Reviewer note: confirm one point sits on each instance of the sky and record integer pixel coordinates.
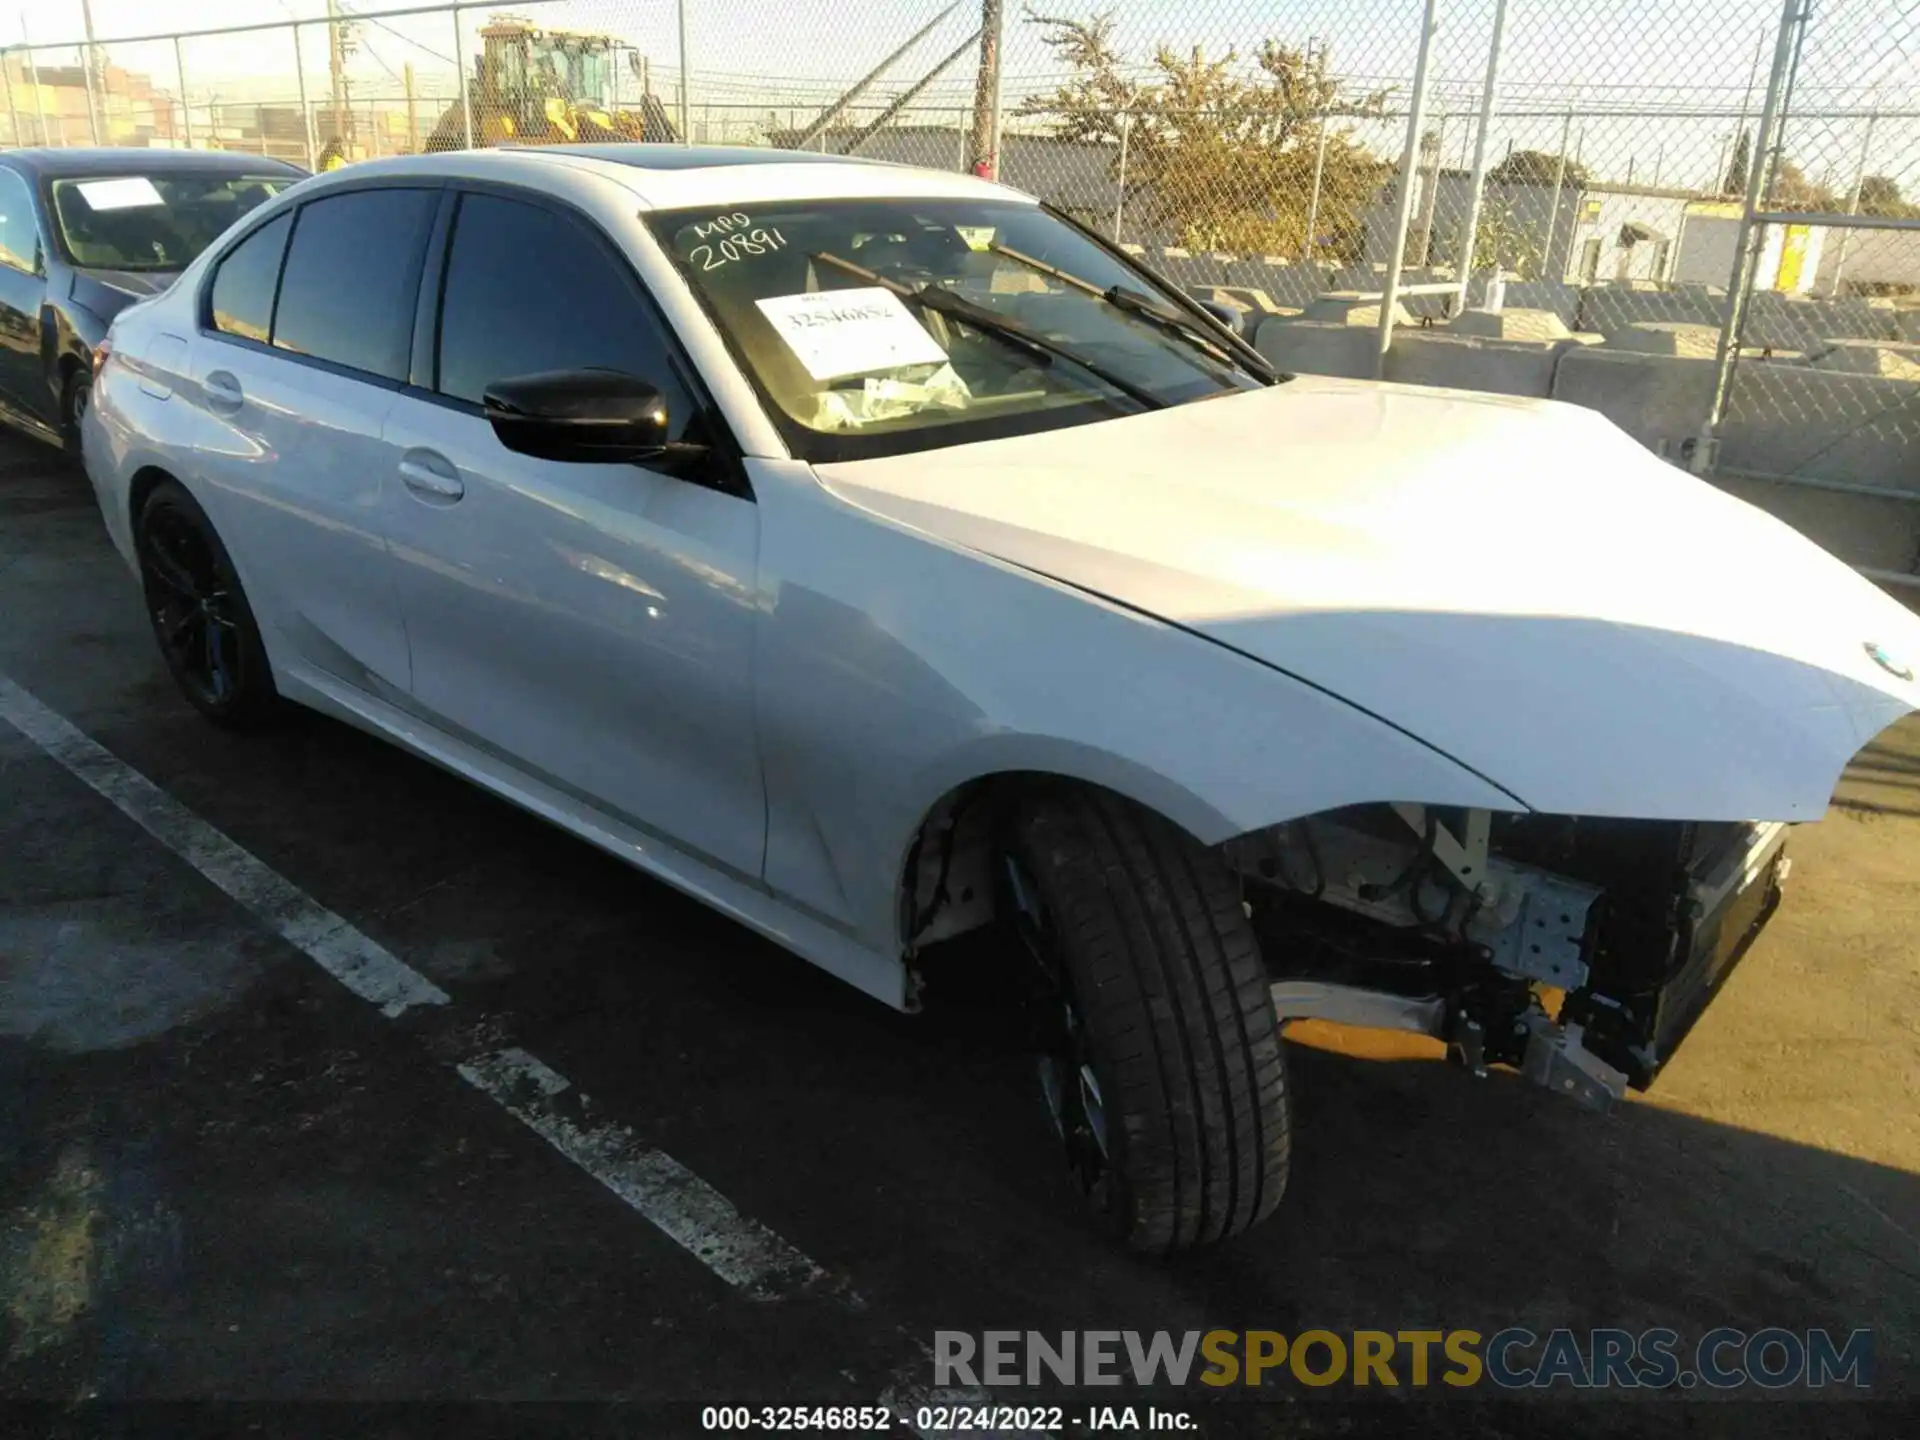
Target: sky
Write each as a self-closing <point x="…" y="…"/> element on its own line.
<point x="1605" y="57"/>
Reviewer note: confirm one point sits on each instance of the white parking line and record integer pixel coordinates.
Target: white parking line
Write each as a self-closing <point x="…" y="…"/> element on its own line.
<point x="367" y="969"/>
<point x="679" y="1203"/>
<point x="689" y="1211"/>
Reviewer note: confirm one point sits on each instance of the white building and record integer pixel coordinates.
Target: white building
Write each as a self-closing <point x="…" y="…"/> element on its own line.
<point x="1581" y="234"/>
<point x="1790" y="255"/>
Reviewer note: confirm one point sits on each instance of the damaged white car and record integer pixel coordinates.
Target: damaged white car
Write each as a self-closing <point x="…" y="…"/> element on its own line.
<point x="879" y="556"/>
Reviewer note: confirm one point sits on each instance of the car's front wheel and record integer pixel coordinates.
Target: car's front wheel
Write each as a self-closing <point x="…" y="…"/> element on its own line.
<point x="200" y="614"/>
<point x="75" y="396"/>
<point x="1161" y="1067"/>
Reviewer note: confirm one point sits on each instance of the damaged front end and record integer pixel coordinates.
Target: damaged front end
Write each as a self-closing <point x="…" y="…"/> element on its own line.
<point x="1579" y="951"/>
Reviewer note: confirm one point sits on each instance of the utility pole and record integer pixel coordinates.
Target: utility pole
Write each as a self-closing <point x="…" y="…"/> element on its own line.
<point x="413" y="124"/>
<point x="87" y="68"/>
<point x="983" y="146"/>
<point x="337" y="70"/>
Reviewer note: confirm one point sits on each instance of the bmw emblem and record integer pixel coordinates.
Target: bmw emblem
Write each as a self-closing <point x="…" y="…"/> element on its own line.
<point x="1887" y="663"/>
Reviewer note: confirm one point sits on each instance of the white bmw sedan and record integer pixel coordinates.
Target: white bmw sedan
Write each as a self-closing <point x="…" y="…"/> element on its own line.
<point x="878" y="555"/>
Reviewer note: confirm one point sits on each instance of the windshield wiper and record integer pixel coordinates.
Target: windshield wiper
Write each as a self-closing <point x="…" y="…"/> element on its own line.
<point x="992" y="322"/>
<point x="1241" y="356"/>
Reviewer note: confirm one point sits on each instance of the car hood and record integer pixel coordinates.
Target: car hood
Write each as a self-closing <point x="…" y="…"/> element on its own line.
<point x="1515" y="582"/>
<point x="107" y="292"/>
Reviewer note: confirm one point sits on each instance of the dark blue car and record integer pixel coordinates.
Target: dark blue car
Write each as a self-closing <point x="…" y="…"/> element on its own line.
<point x="84" y="234"/>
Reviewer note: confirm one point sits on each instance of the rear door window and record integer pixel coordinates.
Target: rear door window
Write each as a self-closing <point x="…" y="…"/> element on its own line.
<point x="352" y="272"/>
<point x="19" y="234"/>
<point x="243" y="286"/>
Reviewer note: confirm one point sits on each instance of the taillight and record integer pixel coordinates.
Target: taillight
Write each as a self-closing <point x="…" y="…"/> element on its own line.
<point x="101" y="354"/>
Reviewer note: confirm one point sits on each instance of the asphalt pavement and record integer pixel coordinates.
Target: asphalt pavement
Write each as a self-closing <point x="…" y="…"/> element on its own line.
<point x="608" y="1149"/>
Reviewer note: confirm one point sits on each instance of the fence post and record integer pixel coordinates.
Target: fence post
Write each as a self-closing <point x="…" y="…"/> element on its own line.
<point x="686" y="116"/>
<point x="1549" y="272"/>
<point x="186" y="106"/>
<point x="1430" y="192"/>
<point x="1313" y="202"/>
<point x="1403" y="204"/>
<point x="1853" y="208"/>
<point x="1120" y="194"/>
<point x="466" y="99"/>
<point x="1470" y="227"/>
<point x="1793" y="18"/>
<point x="306" y="115"/>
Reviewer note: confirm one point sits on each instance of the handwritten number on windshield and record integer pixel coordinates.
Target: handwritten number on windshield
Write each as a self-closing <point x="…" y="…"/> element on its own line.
<point x="736" y="246"/>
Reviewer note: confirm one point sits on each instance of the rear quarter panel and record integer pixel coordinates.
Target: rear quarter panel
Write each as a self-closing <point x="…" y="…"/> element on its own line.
<point x="135" y="421"/>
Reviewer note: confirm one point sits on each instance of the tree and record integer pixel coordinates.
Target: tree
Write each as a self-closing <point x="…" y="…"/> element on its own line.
<point x="1792" y="190"/>
<point x="1880" y="195"/>
<point x="1536" y="167"/>
<point x="1218" y="153"/>
<point x="1504" y="241"/>
<point x="1738" y="165"/>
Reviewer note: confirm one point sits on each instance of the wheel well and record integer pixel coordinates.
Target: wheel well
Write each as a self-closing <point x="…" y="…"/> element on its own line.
<point x="946" y="882"/>
<point x="144" y="481"/>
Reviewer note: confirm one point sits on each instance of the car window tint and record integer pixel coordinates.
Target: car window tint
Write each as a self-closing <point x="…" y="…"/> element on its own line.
<point x="19" y="236"/>
<point x="347" y="292"/>
<point x="242" y="301"/>
<point x="529" y="289"/>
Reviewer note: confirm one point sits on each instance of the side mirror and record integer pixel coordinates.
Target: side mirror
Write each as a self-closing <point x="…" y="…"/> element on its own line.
<point x="578" y="415"/>
<point x="1231" y="316"/>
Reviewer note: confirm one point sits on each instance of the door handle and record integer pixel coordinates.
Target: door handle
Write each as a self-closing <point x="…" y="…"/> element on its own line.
<point x="223" y="392"/>
<point x="428" y="480"/>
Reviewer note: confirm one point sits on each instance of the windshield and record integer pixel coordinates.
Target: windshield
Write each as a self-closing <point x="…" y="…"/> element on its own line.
<point x="833" y="309"/>
<point x="152" y="222"/>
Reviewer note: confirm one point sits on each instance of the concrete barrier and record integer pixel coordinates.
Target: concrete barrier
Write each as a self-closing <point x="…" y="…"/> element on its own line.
<point x="1608" y="308"/>
<point x="1660" y="400"/>
<point x="1869" y="357"/>
<point x="1562" y="300"/>
<point x="1800" y="420"/>
<point x="1288" y="285"/>
<point x="1317" y="347"/>
<point x="1347" y="307"/>
<point x="1667" y="337"/>
<point x="1510" y="324"/>
<point x="1470" y="362"/>
<point x="1790" y="321"/>
<point x="1863" y="530"/>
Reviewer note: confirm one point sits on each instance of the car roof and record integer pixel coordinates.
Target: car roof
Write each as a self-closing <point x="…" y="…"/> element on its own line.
<point x="654" y="156"/>
<point x="671" y="177"/>
<point x="56" y="163"/>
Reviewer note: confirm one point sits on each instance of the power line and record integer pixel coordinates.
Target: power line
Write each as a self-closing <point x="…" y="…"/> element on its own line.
<point x="404" y="39"/>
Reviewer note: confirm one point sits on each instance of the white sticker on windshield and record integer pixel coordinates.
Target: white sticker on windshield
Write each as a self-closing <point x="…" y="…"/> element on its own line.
<point x="128" y="193"/>
<point x="851" y="332"/>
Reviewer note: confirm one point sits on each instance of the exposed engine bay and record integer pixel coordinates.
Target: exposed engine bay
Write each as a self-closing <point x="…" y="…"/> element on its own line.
<point x="1579" y="951"/>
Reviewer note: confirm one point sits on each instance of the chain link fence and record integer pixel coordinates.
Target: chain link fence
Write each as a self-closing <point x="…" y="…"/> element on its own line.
<point x="1697" y="210"/>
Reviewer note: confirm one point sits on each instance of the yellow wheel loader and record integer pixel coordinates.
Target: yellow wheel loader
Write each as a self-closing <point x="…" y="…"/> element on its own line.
<point x="546" y="87"/>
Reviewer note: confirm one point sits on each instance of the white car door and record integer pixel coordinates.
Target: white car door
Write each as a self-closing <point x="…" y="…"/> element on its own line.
<point x="294" y="393"/>
<point x="591" y="624"/>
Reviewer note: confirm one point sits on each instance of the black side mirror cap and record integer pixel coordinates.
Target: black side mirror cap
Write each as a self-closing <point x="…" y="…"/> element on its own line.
<point x="1231" y="316"/>
<point x="582" y="416"/>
